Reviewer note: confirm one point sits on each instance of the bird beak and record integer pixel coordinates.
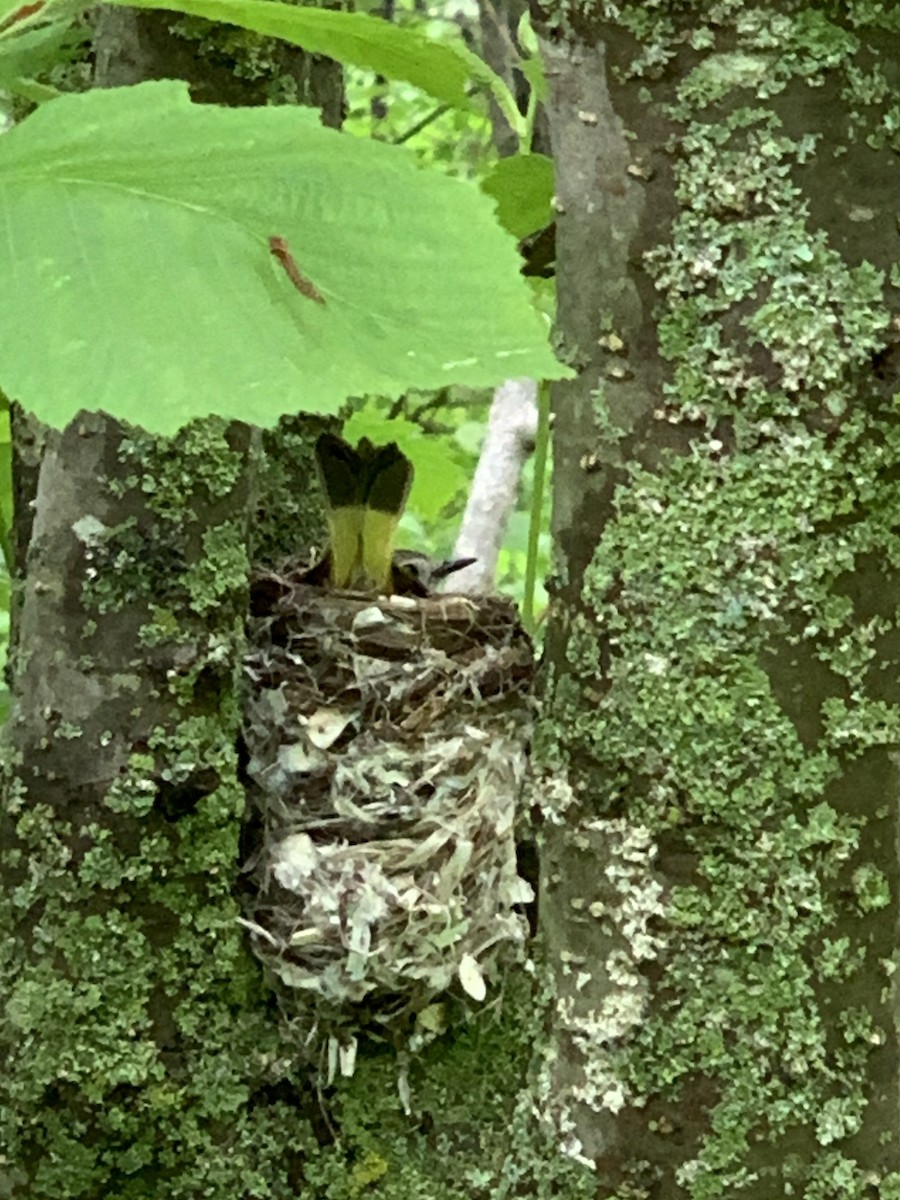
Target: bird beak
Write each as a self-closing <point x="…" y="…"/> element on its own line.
<point x="452" y="564"/>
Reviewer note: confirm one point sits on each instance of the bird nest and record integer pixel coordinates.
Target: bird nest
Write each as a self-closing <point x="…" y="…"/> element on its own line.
<point x="386" y="746"/>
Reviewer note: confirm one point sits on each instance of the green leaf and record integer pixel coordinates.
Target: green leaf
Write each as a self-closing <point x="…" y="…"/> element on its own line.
<point x="443" y="71"/>
<point x="526" y="37"/>
<point x="531" y="65"/>
<point x="137" y="267"/>
<point x="30" y="89"/>
<point x="523" y="189"/>
<point x="27" y="50"/>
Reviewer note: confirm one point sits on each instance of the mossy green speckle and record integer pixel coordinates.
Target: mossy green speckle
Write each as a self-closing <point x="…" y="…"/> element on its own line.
<point x="469" y="1132"/>
<point x="736" y="633"/>
<point x="137" y="1028"/>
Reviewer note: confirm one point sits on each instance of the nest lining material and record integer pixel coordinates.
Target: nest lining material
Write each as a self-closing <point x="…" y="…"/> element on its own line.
<point x="387" y="746"/>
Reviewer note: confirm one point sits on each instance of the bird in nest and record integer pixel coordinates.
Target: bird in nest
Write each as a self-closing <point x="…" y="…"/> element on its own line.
<point x="365" y="490"/>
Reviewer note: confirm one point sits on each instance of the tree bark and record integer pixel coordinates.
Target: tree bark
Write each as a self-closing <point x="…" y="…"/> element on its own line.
<point x="127" y="984"/>
<point x="223" y="65"/>
<point x="512" y="425"/>
<point x="720" y="870"/>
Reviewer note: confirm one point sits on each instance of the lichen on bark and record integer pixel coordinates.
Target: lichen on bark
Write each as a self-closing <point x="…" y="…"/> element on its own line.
<point x="136" y="1030"/>
<point x="724" y="665"/>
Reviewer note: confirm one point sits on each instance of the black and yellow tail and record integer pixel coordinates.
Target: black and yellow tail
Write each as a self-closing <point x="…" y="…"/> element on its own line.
<point x="365" y="493"/>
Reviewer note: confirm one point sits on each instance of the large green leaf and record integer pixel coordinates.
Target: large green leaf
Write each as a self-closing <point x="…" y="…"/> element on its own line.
<point x="34" y="50"/>
<point x="444" y="71"/>
<point x="522" y="187"/>
<point x="138" y="278"/>
<point x="33" y="38"/>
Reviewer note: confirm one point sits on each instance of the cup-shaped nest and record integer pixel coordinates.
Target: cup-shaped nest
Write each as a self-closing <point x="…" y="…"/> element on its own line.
<point x="386" y="745"/>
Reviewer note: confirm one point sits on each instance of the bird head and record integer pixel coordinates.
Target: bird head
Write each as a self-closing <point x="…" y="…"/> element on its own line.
<point x="419" y="574"/>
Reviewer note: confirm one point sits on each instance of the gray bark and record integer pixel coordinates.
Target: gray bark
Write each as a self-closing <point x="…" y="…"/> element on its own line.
<point x="720" y="870"/>
<point x="121" y="804"/>
<point x="132" y="45"/>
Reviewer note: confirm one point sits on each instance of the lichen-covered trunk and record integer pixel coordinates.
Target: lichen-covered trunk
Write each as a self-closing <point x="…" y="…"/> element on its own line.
<point x="720" y="862"/>
<point x="135" y="1030"/>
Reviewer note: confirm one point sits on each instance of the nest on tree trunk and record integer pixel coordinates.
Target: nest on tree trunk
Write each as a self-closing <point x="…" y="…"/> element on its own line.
<point x="386" y="743"/>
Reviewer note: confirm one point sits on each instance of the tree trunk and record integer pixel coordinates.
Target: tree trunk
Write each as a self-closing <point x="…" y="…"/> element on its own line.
<point x="720" y="850"/>
<point x="509" y="439"/>
<point x="135" y="1026"/>
<point x="223" y="65"/>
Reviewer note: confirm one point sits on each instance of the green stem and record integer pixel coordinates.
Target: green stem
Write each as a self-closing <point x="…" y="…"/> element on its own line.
<point x="503" y="97"/>
<point x="30" y="89"/>
<point x="530" y="117"/>
<point x="541" y="450"/>
<point x="6" y="544"/>
<point x="423" y="124"/>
